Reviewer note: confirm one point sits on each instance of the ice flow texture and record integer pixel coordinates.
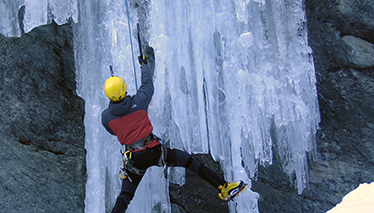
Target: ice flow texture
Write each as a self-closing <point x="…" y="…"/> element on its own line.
<point x="232" y="78"/>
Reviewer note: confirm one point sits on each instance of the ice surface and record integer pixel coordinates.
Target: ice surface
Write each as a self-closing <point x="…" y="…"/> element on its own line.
<point x="9" y="17"/>
<point x="37" y="12"/>
<point x="232" y="78"/>
<point x="254" y="76"/>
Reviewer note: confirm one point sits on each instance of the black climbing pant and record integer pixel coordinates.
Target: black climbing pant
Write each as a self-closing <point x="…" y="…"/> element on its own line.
<point x="145" y="159"/>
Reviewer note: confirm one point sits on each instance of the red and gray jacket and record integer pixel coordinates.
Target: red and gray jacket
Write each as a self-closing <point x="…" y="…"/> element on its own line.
<point x="128" y="118"/>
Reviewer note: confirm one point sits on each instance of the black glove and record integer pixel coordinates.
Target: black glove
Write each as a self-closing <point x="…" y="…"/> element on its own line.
<point x="142" y="60"/>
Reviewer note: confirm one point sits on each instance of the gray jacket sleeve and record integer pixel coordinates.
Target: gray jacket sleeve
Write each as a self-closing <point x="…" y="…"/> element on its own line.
<point x="146" y="89"/>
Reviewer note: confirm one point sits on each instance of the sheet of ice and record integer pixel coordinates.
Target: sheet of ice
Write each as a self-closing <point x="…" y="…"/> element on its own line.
<point x="9" y="17"/>
<point x="37" y="12"/>
<point x="252" y="68"/>
<point x="102" y="39"/>
<point x="232" y="78"/>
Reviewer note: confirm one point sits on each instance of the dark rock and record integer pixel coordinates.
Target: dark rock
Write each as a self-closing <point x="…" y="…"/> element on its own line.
<point x="196" y="195"/>
<point x="355" y="52"/>
<point x="42" y="143"/>
<point x="177" y="209"/>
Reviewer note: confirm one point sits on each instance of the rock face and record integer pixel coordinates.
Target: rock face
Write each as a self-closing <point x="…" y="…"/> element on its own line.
<point x="340" y="34"/>
<point x="42" y="133"/>
<point x="196" y="195"/>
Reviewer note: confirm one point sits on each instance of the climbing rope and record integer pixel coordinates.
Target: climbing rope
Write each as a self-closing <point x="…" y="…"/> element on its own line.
<point x="132" y="50"/>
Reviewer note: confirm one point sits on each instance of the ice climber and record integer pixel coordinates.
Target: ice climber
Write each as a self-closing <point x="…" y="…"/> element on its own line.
<point x="127" y="118"/>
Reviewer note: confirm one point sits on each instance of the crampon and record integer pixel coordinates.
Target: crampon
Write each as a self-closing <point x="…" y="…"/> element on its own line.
<point x="231" y="190"/>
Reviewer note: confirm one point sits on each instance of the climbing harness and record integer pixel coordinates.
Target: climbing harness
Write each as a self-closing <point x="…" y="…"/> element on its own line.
<point x="132" y="49"/>
<point x="128" y="165"/>
<point x="147" y="143"/>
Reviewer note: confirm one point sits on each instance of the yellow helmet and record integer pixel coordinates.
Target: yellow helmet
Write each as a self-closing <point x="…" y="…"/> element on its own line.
<point x="115" y="88"/>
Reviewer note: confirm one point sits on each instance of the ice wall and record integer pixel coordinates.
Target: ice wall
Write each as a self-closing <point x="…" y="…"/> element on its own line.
<point x="241" y="79"/>
<point x="102" y="39"/>
<point x="37" y="12"/>
<point x="232" y="78"/>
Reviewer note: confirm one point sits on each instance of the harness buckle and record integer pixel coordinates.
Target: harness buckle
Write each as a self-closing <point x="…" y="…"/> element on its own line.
<point x="128" y="163"/>
<point x="123" y="174"/>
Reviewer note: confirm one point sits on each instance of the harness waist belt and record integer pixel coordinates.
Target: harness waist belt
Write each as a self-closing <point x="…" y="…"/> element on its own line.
<point x="148" y="142"/>
<point x="148" y="145"/>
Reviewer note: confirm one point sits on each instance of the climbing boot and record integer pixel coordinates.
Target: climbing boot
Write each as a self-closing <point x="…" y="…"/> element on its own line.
<point x="231" y="190"/>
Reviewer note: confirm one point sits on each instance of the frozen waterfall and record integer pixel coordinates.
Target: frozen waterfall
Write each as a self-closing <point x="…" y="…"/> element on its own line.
<point x="232" y="78"/>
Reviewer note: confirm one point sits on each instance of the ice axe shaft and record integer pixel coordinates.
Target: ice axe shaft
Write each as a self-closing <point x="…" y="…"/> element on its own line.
<point x="111" y="71"/>
<point x="140" y="44"/>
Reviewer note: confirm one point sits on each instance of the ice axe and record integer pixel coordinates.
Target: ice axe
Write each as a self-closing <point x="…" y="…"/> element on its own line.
<point x="142" y="59"/>
<point x="140" y="44"/>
